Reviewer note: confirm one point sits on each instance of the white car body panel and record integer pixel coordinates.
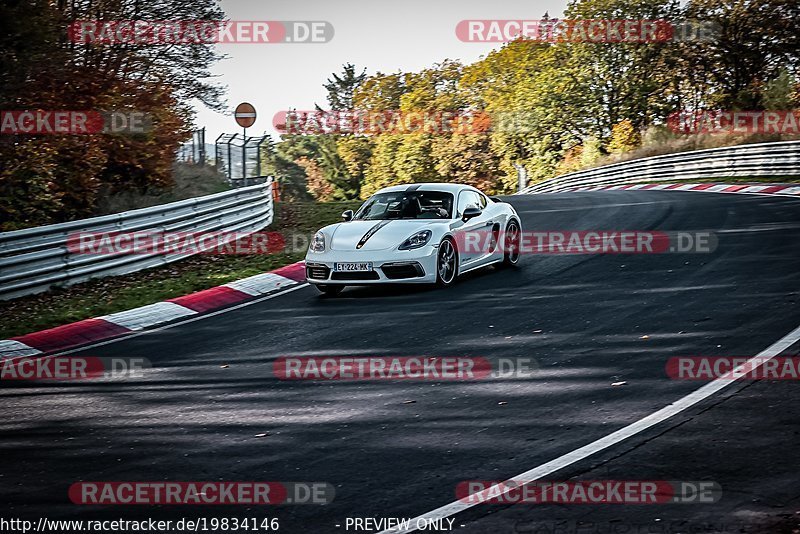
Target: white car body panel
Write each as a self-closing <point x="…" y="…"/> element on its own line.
<point x="345" y="236"/>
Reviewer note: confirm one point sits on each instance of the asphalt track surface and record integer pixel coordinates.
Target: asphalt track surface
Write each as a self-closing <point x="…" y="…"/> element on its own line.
<point x="582" y="318"/>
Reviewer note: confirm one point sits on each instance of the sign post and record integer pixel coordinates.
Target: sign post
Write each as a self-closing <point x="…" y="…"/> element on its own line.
<point x="245" y="116"/>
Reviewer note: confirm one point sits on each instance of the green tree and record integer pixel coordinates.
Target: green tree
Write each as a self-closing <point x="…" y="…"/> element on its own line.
<point x="342" y="87"/>
<point x="345" y="186"/>
<point x="381" y="172"/>
<point x="316" y="182"/>
<point x="280" y="160"/>
<point x="413" y="160"/>
<point x="433" y="89"/>
<point x="356" y="152"/>
<point x="619" y="81"/>
<point x="468" y="159"/>
<point x="519" y="86"/>
<point x="322" y="151"/>
<point x="592" y="151"/>
<point x="557" y="107"/>
<point x="781" y="93"/>
<point x="754" y="42"/>
<point x="379" y="92"/>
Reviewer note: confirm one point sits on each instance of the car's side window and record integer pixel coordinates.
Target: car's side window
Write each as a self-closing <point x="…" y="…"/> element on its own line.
<point x="467" y="199"/>
<point x="483" y="201"/>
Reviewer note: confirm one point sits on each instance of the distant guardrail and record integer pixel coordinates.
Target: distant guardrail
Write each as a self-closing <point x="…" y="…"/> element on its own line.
<point x="761" y="160"/>
<point x="35" y="259"/>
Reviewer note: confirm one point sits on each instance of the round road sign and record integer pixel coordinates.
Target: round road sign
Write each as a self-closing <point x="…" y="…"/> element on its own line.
<point x="245" y="115"/>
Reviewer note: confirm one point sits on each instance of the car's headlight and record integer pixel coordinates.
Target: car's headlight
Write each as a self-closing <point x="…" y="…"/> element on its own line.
<point x="420" y="239"/>
<point x="318" y="243"/>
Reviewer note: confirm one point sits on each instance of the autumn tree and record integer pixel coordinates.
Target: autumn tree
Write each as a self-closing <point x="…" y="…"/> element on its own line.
<point x="381" y="171"/>
<point x="356" y="153"/>
<point x="624" y="137"/>
<point x="556" y="107"/>
<point x="754" y="42"/>
<point x="379" y="92"/>
<point x="468" y="159"/>
<point x="50" y="178"/>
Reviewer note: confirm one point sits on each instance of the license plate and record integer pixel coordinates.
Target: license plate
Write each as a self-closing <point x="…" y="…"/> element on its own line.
<point x="350" y="267"/>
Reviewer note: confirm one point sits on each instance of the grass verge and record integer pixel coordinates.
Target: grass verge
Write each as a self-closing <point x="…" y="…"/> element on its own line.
<point x="112" y="294"/>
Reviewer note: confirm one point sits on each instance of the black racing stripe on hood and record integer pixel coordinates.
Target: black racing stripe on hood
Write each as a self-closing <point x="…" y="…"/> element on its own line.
<point x="371" y="232"/>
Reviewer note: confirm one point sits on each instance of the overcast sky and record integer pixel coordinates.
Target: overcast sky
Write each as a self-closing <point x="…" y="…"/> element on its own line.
<point x="381" y="35"/>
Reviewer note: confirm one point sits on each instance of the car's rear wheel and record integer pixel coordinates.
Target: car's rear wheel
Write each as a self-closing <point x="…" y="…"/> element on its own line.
<point x="330" y="290"/>
<point x="511" y="239"/>
<point x="446" y="263"/>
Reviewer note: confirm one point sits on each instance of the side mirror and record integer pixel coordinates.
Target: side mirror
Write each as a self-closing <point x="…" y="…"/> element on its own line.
<point x="471" y="213"/>
<point x="347" y="215"/>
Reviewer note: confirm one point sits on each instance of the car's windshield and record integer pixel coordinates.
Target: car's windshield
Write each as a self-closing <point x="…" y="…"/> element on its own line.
<point x="407" y="205"/>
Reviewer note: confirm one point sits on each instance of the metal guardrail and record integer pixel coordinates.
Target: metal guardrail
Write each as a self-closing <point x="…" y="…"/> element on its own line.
<point x="758" y="160"/>
<point x="35" y="259"/>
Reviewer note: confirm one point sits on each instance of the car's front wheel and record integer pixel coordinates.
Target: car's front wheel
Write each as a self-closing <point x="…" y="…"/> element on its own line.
<point x="446" y="263"/>
<point x="330" y="290"/>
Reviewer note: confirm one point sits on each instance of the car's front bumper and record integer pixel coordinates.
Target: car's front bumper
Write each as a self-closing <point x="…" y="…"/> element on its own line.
<point x="389" y="267"/>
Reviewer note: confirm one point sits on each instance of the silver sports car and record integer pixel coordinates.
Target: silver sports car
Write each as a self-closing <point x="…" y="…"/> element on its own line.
<point x="421" y="233"/>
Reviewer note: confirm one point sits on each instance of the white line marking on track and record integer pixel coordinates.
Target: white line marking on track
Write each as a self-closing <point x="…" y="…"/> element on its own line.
<point x="144" y="316"/>
<point x="753" y="189"/>
<point x="11" y="348"/>
<point x="260" y="284"/>
<point x="612" y="439"/>
<point x="185" y="321"/>
<point x="718" y="187"/>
